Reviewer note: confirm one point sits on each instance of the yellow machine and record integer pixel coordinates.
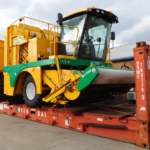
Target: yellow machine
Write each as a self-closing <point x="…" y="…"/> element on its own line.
<point x="62" y="63"/>
<point x="2" y="96"/>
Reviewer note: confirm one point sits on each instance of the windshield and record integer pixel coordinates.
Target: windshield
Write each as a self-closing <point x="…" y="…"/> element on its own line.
<point x="96" y="38"/>
<point x="70" y="35"/>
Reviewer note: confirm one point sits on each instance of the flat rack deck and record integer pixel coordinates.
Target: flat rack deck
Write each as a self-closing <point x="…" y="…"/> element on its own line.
<point x="102" y="121"/>
<point x="112" y="122"/>
<point x="121" y="123"/>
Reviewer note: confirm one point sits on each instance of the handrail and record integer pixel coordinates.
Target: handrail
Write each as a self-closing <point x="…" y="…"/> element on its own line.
<point x="64" y="42"/>
<point x="50" y="32"/>
<point x="31" y="19"/>
<point x="23" y="18"/>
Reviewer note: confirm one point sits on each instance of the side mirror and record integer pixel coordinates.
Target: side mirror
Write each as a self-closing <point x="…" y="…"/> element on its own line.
<point x="113" y="36"/>
<point x="60" y="19"/>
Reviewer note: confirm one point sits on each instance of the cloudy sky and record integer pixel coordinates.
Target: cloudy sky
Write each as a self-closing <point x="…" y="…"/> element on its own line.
<point x="134" y="15"/>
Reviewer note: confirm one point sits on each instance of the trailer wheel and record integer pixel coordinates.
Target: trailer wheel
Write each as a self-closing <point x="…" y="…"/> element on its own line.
<point x="31" y="98"/>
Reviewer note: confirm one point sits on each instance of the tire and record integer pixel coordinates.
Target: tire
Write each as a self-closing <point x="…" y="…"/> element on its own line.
<point x="3" y="97"/>
<point x="30" y="97"/>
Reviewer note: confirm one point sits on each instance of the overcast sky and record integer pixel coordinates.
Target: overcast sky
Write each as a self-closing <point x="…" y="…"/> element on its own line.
<point x="134" y="15"/>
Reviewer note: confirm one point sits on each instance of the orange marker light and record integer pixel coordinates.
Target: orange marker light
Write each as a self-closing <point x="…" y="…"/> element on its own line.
<point x="91" y="65"/>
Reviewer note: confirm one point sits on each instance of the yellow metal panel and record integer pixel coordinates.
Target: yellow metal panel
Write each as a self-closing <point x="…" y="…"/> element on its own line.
<point x="19" y="83"/>
<point x="14" y="49"/>
<point x="32" y="50"/>
<point x="110" y="62"/>
<point x="2" y="55"/>
<point x="58" y="85"/>
<point x="50" y="75"/>
<point x="40" y="46"/>
<point x="65" y="56"/>
<point x="51" y="97"/>
<point x="36" y="73"/>
<point x="10" y="49"/>
<point x="8" y="90"/>
<point x="6" y="60"/>
<point x="72" y="94"/>
<point x="15" y="33"/>
<point x="25" y="26"/>
<point x="74" y="12"/>
<point x="81" y="10"/>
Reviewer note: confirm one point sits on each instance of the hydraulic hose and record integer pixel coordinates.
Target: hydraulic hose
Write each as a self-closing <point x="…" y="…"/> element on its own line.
<point x="44" y="34"/>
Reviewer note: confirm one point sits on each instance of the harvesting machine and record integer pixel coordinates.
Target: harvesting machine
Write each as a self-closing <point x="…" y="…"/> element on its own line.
<point x="63" y="63"/>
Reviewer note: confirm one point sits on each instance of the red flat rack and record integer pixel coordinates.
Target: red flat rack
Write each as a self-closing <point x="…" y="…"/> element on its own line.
<point x="120" y="123"/>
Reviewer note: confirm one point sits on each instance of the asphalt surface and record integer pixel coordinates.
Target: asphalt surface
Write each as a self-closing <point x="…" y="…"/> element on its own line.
<point x="21" y="134"/>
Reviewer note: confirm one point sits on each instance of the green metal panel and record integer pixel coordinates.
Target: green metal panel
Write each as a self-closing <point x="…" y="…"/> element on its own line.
<point x="14" y="70"/>
<point x="42" y="63"/>
<point x="77" y="72"/>
<point x="87" y="77"/>
<point x="83" y="62"/>
<point x="90" y="74"/>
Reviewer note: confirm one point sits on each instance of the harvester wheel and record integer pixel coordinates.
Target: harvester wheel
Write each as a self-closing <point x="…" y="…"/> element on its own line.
<point x="3" y="97"/>
<point x="31" y="98"/>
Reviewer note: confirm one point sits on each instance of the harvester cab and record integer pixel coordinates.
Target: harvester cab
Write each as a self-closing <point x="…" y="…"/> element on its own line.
<point x="91" y="37"/>
<point x="63" y="63"/>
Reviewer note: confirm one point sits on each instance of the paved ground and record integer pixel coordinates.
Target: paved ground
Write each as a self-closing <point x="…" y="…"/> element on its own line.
<point x="20" y="134"/>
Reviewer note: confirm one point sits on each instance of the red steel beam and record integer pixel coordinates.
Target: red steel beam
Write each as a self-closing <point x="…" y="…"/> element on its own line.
<point x="142" y="81"/>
